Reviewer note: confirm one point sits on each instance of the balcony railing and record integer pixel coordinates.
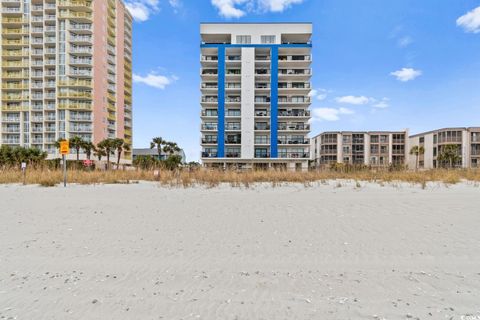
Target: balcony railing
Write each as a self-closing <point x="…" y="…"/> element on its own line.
<point x="294" y="72"/>
<point x="209" y="127"/>
<point x="209" y="155"/>
<point x="305" y="113"/>
<point x="294" y="141"/>
<point x="294" y="155"/>
<point x="294" y="127"/>
<point x="209" y="141"/>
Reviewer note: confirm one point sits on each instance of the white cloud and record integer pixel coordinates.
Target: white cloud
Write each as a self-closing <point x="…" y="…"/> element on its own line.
<point x="470" y="22"/>
<point x="404" y="41"/>
<point x="277" y="5"/>
<point x="406" y="74"/>
<point x="155" y="80"/>
<point x="227" y="8"/>
<point x="357" y="100"/>
<point x="329" y="114"/>
<point x="239" y="8"/>
<point x="142" y="9"/>
<point x="382" y="104"/>
<point x="175" y="3"/>
<point x="320" y="94"/>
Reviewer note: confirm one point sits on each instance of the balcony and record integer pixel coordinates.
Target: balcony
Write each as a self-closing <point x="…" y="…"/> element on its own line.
<point x="232" y="155"/>
<point x="294" y="72"/>
<point x="294" y="100"/>
<point x="294" y="127"/>
<point x="233" y="127"/>
<point x="209" y="127"/>
<point x="294" y="113"/>
<point x="10" y="119"/>
<point x="208" y="113"/>
<point x="262" y="155"/>
<point x="294" y="142"/>
<point x="293" y="155"/>
<point x="209" y="155"/>
<point x="209" y="141"/>
<point x="262" y="127"/>
<point x="232" y="99"/>
<point x="262" y="113"/>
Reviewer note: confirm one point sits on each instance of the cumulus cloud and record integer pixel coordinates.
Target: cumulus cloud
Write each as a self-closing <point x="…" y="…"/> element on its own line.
<point x="239" y="8"/>
<point x="320" y="94"/>
<point x="406" y="74"/>
<point x="228" y="9"/>
<point x="329" y="114"/>
<point x="142" y="9"/>
<point x="277" y="5"/>
<point x="357" y="100"/>
<point x="155" y="80"/>
<point x="470" y="21"/>
<point x="382" y="104"/>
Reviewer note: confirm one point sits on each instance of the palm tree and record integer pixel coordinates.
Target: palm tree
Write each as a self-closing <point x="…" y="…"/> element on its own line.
<point x="171" y="148"/>
<point x="417" y="151"/>
<point x="107" y="146"/>
<point x="158" y="142"/>
<point x="88" y="147"/>
<point x="121" y="146"/>
<point x="99" y="153"/>
<point x="450" y="154"/>
<point x="76" y="143"/>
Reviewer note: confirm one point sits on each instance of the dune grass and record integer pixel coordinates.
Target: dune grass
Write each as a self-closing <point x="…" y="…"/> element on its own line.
<point x="212" y="178"/>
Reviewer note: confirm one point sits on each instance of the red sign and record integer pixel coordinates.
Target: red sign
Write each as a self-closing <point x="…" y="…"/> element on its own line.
<point x="87" y="163"/>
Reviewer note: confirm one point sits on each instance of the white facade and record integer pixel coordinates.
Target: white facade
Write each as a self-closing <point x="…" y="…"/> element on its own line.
<point x="255" y="95"/>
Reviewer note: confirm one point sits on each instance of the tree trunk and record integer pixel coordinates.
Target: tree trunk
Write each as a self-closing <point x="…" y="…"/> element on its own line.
<point x="118" y="159"/>
<point x="78" y="154"/>
<point x="108" y="160"/>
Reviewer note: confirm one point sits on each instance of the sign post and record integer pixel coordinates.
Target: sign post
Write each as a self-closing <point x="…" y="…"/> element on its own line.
<point x="64" y="150"/>
<point x="24" y="171"/>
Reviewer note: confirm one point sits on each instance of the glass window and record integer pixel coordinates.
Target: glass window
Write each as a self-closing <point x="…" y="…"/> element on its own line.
<point x="244" y="39"/>
<point x="268" y="39"/>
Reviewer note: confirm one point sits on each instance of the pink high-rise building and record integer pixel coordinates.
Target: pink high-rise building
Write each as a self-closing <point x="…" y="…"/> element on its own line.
<point x="66" y="71"/>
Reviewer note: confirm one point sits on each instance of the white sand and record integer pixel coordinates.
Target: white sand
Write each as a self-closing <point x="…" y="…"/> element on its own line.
<point x="145" y="252"/>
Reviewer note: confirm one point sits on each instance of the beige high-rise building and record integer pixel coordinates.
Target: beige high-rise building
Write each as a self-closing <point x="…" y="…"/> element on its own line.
<point x="376" y="148"/>
<point x="66" y="70"/>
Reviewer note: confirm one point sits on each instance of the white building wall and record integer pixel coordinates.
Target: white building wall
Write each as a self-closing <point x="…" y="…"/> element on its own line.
<point x="428" y="156"/>
<point x="465" y="149"/>
<point x="366" y="149"/>
<point x="256" y="30"/>
<point x="248" y="103"/>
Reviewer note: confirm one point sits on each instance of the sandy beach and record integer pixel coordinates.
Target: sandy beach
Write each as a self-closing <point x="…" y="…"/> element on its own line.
<point x="142" y="251"/>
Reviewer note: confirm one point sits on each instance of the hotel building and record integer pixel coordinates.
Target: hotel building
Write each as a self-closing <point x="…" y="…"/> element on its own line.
<point x="66" y="70"/>
<point x="467" y="141"/>
<point x="255" y="85"/>
<point x="376" y="148"/>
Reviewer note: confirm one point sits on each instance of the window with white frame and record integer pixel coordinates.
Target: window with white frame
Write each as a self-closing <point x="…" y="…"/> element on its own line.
<point x="244" y="39"/>
<point x="268" y="39"/>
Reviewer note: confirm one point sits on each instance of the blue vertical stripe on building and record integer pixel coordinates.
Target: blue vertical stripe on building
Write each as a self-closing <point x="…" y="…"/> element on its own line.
<point x="274" y="104"/>
<point x="221" y="102"/>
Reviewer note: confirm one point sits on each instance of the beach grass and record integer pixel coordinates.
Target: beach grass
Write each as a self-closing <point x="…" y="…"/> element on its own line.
<point x="212" y="178"/>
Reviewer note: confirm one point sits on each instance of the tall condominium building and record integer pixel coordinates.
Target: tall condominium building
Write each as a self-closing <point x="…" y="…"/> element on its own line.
<point x="66" y="71"/>
<point x="467" y="141"/>
<point x="255" y="95"/>
<point x="378" y="148"/>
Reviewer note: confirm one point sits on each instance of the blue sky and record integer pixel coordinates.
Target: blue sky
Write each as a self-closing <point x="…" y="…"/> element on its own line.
<point x="378" y="65"/>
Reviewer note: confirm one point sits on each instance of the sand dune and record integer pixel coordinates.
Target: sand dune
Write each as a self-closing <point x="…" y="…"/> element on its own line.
<point x="146" y="252"/>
